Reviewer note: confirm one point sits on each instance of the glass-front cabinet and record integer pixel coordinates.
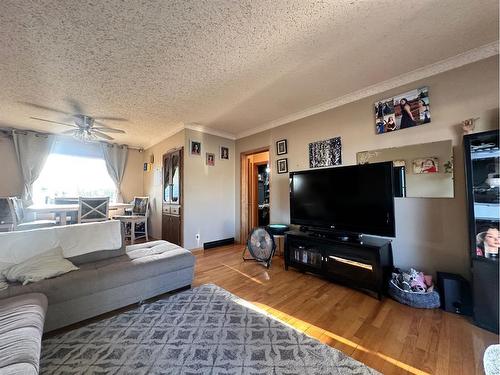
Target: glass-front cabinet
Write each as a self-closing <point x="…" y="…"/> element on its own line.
<point x="172" y="196"/>
<point x="482" y="156"/>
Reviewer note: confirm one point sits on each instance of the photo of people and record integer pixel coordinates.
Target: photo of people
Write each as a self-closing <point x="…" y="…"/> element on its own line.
<point x="426" y="165"/>
<point x="224" y="153"/>
<point x="488" y="242"/>
<point x="195" y="148"/>
<point x="210" y="159"/>
<point x="403" y="111"/>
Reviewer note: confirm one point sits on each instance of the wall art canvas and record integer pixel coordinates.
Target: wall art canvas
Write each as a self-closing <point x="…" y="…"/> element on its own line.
<point x="425" y="165"/>
<point x="403" y="111"/>
<point x="325" y="153"/>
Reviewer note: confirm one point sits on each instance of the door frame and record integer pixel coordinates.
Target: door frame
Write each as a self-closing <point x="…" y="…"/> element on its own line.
<point x="244" y="190"/>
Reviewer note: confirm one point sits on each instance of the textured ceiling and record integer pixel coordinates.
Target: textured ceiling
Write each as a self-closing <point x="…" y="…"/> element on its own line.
<point x="227" y="65"/>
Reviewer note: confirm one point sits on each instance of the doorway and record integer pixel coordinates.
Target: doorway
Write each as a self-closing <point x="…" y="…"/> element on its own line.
<point x="255" y="191"/>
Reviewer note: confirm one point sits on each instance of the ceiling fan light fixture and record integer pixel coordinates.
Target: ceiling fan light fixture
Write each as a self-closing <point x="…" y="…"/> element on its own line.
<point x="84" y="135"/>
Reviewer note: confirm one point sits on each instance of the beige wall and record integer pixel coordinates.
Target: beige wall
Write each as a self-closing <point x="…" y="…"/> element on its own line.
<point x="132" y="184"/>
<point x="153" y="185"/>
<point x="431" y="234"/>
<point x="10" y="180"/>
<point x="208" y="192"/>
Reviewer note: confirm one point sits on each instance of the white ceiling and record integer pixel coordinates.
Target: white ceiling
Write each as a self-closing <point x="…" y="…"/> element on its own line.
<point x="228" y="65"/>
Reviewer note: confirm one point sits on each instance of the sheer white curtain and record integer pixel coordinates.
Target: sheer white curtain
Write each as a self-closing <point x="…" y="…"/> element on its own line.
<point x="115" y="157"/>
<point x="32" y="150"/>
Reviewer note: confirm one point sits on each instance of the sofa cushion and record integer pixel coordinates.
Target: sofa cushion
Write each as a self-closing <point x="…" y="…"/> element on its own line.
<point x="3" y="282"/>
<point x="75" y="240"/>
<point x="21" y="328"/>
<point x="105" y="274"/>
<point x="95" y="256"/>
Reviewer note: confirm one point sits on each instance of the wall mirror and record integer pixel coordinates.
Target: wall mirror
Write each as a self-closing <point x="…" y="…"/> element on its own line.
<point x="420" y="171"/>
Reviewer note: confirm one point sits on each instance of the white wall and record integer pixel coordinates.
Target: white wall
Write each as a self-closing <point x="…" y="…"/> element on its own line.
<point x="208" y="191"/>
<point x="431" y="232"/>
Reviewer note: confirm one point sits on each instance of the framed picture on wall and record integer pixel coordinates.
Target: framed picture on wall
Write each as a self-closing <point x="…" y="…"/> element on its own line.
<point x="224" y="153"/>
<point x="402" y="111"/>
<point x="426" y="165"/>
<point x="210" y="159"/>
<point x="282" y="165"/>
<point x="195" y="148"/>
<point x="281" y="147"/>
<point x="325" y="153"/>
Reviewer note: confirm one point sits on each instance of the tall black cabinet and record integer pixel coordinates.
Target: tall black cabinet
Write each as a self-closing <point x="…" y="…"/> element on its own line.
<point x="482" y="155"/>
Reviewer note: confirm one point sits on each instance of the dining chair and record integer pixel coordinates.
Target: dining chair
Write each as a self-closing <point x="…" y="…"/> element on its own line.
<point x="93" y="209"/>
<point x="12" y="216"/>
<point x="71" y="217"/>
<point x="136" y="218"/>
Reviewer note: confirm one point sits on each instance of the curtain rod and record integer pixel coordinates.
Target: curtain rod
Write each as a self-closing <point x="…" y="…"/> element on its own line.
<point x="7" y="133"/>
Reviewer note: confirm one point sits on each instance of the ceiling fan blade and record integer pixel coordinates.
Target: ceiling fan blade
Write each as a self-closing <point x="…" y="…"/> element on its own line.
<point x="109" y="118"/>
<point x="39" y="106"/>
<point x="53" y="122"/>
<point x="109" y="130"/>
<point x="68" y="132"/>
<point x="102" y="135"/>
<point x="75" y="106"/>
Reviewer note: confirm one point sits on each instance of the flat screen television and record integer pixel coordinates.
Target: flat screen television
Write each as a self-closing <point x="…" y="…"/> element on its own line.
<point x="356" y="199"/>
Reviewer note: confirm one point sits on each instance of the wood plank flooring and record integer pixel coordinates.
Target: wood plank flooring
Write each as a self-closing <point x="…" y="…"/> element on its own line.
<point x="385" y="335"/>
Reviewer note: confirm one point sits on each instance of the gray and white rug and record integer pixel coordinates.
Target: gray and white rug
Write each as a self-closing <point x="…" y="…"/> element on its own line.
<point x="205" y="330"/>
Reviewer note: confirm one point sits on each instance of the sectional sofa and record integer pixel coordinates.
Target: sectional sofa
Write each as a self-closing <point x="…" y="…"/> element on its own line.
<point x="110" y="275"/>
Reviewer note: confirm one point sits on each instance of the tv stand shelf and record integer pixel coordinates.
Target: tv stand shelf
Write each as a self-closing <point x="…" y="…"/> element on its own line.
<point x="363" y="264"/>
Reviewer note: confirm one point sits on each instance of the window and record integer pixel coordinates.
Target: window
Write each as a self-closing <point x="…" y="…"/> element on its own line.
<point x="73" y="174"/>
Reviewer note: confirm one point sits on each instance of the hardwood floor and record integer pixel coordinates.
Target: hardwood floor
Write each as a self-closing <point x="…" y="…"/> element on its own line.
<point x="387" y="336"/>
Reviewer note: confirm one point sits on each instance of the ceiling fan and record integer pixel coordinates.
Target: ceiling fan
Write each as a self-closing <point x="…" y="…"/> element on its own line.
<point x="85" y="127"/>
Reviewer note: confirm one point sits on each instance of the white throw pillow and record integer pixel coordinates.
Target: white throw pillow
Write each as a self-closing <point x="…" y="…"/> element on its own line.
<point x="43" y="266"/>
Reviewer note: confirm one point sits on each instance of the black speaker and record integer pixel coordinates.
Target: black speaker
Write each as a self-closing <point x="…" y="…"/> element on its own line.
<point x="455" y="294"/>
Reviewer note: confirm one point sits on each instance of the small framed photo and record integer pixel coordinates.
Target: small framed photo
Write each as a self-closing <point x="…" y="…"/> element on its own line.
<point x="426" y="165"/>
<point x="210" y="159"/>
<point x="281" y="147"/>
<point x="195" y="147"/>
<point x="282" y="165"/>
<point x="224" y="153"/>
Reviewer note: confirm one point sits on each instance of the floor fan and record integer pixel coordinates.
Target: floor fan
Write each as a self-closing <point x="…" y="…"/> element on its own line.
<point x="261" y="246"/>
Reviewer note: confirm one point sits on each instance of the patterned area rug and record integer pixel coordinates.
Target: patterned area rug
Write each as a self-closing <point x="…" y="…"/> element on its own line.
<point x="205" y="330"/>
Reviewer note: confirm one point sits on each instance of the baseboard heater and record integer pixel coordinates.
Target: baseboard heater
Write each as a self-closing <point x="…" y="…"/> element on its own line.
<point x="212" y="244"/>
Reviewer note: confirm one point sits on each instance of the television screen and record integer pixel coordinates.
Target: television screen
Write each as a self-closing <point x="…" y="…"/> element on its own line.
<point x="358" y="198"/>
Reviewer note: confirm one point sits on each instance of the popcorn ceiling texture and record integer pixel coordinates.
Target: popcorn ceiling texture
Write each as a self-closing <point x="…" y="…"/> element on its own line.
<point x="227" y="65"/>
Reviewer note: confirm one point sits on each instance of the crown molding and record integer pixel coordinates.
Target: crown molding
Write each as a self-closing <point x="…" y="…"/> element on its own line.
<point x="468" y="57"/>
<point x="176" y="129"/>
<point x="211" y="131"/>
<point x="196" y="127"/>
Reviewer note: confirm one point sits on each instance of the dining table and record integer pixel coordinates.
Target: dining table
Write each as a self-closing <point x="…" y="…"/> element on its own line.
<point x="63" y="209"/>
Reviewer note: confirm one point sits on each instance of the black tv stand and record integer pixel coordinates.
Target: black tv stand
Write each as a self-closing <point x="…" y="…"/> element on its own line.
<point x="333" y="234"/>
<point x="363" y="262"/>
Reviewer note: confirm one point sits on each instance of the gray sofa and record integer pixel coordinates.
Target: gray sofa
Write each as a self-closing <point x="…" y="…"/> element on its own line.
<point x="108" y="280"/>
<point x="21" y="328"/>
